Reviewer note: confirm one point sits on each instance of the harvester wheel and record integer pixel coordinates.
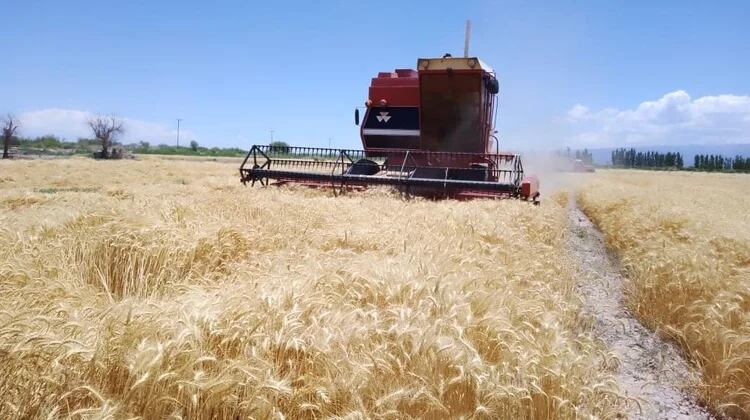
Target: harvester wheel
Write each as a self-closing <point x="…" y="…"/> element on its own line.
<point x="363" y="167"/>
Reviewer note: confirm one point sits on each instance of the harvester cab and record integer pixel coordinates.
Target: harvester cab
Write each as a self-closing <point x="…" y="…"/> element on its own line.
<point x="427" y="132"/>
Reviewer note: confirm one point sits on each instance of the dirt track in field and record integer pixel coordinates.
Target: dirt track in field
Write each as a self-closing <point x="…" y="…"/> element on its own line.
<point x="651" y="371"/>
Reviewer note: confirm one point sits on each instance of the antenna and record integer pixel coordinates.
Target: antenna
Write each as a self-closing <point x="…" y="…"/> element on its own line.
<point x="467" y="38"/>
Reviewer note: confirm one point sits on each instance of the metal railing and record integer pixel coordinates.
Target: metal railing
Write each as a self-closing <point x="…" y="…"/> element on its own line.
<point x="446" y="171"/>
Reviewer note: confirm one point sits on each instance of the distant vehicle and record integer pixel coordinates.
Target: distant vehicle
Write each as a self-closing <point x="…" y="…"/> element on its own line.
<point x="580" y="166"/>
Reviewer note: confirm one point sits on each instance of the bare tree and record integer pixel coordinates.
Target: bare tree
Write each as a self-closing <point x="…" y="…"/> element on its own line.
<point x="106" y="130"/>
<point x="10" y="126"/>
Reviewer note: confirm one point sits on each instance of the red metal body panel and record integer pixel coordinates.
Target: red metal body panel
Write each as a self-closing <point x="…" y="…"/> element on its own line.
<point x="530" y="187"/>
<point x="399" y="88"/>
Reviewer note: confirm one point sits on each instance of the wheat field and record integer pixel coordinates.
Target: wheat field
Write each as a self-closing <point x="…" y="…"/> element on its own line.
<point x="684" y="239"/>
<point x="162" y="288"/>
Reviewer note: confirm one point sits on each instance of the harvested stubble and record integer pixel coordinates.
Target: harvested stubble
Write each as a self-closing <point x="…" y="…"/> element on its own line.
<point x="161" y="288"/>
<point x="685" y="243"/>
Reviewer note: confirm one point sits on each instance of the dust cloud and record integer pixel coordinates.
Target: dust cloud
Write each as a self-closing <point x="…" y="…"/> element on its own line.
<point x="555" y="173"/>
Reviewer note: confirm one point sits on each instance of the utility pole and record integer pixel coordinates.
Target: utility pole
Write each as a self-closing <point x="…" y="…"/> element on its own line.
<point x="178" y="131"/>
<point x="329" y="142"/>
<point x="271" y="135"/>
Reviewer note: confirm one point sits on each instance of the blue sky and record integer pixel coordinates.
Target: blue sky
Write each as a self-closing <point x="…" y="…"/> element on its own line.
<point x="583" y="74"/>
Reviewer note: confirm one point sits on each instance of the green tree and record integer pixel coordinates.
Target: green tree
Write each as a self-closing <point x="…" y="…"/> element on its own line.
<point x="194" y="145"/>
<point x="279" y="146"/>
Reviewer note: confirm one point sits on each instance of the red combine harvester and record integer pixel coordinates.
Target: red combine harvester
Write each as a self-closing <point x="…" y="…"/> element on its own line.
<point x="427" y="132"/>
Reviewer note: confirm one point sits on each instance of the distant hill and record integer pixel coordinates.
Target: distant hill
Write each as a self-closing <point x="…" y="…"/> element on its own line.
<point x="688" y="151"/>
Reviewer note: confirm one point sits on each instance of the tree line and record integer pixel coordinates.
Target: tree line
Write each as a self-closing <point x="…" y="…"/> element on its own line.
<point x="106" y="130"/>
<point x="54" y="145"/>
<point x="629" y="158"/>
<point x="721" y="163"/>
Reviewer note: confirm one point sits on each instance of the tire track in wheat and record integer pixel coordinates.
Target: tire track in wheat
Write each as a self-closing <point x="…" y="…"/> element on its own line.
<point x="651" y="371"/>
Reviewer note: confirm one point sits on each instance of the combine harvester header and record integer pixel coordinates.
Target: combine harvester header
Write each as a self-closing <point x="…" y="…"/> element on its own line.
<point x="427" y="132"/>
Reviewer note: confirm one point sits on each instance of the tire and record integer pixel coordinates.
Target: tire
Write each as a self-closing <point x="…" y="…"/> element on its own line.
<point x="363" y="167"/>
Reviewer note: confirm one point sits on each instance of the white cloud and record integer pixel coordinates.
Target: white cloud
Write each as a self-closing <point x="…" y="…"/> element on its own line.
<point x="71" y="124"/>
<point x="578" y="113"/>
<point x="675" y="118"/>
<point x="66" y="123"/>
